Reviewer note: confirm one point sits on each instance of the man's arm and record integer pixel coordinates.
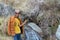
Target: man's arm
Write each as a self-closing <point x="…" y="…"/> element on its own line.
<point x="24" y="23"/>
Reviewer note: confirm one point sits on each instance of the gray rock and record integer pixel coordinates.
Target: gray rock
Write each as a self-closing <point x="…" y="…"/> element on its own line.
<point x="30" y="34"/>
<point x="58" y="32"/>
<point x="35" y="27"/>
<point x="5" y="10"/>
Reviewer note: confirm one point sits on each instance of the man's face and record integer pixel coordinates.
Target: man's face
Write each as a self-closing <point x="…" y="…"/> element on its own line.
<point x="17" y="14"/>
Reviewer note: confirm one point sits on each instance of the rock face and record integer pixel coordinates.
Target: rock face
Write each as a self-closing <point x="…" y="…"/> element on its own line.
<point x="32" y="35"/>
<point x="35" y="27"/>
<point x="58" y="32"/>
<point x="5" y="10"/>
<point x="5" y="13"/>
<point x="31" y="32"/>
<point x="45" y="13"/>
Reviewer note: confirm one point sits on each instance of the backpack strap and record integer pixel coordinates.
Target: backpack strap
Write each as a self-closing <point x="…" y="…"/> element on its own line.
<point x="9" y="23"/>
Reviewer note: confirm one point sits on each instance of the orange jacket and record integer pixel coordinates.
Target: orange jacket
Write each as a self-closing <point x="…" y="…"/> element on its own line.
<point x="11" y="30"/>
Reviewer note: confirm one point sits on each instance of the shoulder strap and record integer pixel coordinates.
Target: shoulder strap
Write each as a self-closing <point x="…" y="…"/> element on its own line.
<point x="9" y="22"/>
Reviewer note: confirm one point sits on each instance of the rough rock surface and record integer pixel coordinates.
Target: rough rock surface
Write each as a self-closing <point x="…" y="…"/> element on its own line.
<point x="45" y="13"/>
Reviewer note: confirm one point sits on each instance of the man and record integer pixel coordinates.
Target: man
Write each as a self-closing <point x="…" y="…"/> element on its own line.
<point x="15" y="26"/>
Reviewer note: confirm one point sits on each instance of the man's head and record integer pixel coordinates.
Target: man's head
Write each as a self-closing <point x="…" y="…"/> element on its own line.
<point x="17" y="12"/>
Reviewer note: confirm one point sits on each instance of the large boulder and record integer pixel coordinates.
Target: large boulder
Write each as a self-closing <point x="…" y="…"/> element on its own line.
<point x="58" y="32"/>
<point x="35" y="27"/>
<point x="32" y="32"/>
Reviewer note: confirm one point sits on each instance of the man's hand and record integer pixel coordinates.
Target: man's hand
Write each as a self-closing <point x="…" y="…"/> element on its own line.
<point x="24" y="22"/>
